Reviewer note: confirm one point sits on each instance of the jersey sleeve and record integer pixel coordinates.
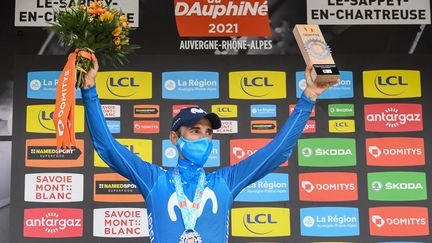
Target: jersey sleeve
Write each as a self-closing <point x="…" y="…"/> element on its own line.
<point x="115" y="155"/>
<point x="268" y="158"/>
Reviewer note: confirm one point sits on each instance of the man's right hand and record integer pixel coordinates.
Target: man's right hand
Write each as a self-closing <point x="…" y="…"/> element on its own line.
<point x="90" y="77"/>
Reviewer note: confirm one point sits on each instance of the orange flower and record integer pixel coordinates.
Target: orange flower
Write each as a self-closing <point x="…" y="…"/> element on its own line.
<point x="123" y="18"/>
<point x="117" y="31"/>
<point x="107" y="16"/>
<point x="94" y="5"/>
<point x="117" y="41"/>
<point x="100" y="11"/>
<point x="91" y="11"/>
<point x="125" y="24"/>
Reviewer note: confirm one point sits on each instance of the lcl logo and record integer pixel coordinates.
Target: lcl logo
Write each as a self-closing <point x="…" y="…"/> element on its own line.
<point x="261" y="218"/>
<point x="131" y="148"/>
<point x="391" y="80"/>
<point x="122" y="82"/>
<point x="224" y="109"/>
<point x="43" y="115"/>
<point x="257" y="82"/>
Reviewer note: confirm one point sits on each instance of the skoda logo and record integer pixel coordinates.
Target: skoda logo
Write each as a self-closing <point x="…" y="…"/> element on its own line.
<point x="170" y="85"/>
<point x="376" y="186"/>
<point x="307" y="152"/>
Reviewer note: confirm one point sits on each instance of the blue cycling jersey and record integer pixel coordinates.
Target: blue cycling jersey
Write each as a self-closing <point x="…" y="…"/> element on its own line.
<point x="223" y="185"/>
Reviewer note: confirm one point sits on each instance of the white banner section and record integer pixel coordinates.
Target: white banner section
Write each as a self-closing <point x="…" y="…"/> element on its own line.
<point x="39" y="13"/>
<point x="368" y="12"/>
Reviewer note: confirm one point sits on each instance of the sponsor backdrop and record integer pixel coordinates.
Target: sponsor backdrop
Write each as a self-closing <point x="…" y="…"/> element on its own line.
<point x="360" y="172"/>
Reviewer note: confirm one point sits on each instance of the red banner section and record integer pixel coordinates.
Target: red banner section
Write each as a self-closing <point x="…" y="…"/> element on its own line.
<point x="199" y="18"/>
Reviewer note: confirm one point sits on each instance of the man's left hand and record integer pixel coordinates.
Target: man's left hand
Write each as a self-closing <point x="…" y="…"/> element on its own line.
<point x="315" y="89"/>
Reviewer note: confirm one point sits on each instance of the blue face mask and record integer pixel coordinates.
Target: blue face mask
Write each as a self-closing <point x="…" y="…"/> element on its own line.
<point x="196" y="151"/>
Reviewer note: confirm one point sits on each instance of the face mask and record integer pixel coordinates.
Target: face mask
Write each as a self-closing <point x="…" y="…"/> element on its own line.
<point x="196" y="151"/>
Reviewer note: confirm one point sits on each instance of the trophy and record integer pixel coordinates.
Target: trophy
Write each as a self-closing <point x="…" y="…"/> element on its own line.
<point x="315" y="50"/>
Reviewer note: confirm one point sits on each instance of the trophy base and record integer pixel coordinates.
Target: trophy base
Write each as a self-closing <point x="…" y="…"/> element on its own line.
<point x="324" y="73"/>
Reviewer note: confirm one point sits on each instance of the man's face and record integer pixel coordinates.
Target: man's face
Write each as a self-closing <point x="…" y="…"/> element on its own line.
<point x="201" y="129"/>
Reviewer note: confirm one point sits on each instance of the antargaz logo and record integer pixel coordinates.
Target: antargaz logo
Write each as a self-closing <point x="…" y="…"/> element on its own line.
<point x="141" y="147"/>
<point x="53" y="222"/>
<point x="327" y="152"/>
<point x="200" y="18"/>
<point x="395" y="151"/>
<point x="397" y="186"/>
<point x="391" y="84"/>
<point x="399" y="221"/>
<point x="255" y="85"/>
<point x="260" y="222"/>
<point x="39" y="119"/>
<point x="124" y="85"/>
<point x="393" y="117"/>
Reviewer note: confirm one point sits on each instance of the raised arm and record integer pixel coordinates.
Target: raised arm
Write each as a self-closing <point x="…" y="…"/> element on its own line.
<point x="280" y="148"/>
<point x="119" y="158"/>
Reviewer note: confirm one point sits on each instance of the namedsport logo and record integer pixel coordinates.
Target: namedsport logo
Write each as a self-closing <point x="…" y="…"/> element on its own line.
<point x="112" y="187"/>
<point x="43" y="153"/>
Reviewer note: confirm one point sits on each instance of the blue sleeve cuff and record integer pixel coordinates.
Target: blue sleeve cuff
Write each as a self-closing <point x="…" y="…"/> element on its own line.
<point x="305" y="103"/>
<point x="89" y="93"/>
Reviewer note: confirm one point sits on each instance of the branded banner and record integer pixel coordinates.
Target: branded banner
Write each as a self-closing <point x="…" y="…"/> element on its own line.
<point x="360" y="171"/>
<point x="41" y="13"/>
<point x="335" y="12"/>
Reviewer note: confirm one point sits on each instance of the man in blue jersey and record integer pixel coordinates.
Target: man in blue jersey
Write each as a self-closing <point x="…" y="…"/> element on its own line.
<point x="186" y="204"/>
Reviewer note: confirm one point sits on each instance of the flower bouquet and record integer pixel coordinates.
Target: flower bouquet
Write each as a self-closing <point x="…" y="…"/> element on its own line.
<point x="95" y="28"/>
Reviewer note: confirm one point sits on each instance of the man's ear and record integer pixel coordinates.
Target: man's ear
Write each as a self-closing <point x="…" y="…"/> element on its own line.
<point x="174" y="138"/>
